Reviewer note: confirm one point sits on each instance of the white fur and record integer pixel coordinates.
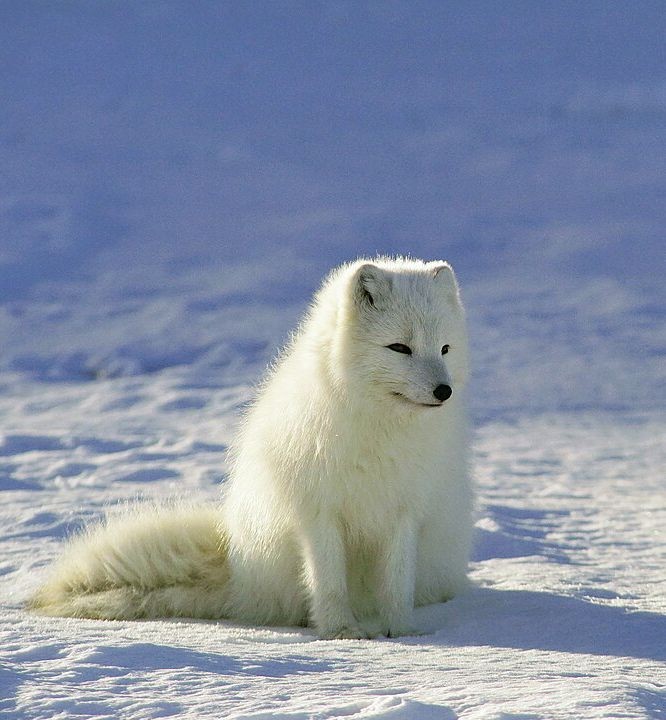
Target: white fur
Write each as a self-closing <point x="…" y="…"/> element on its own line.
<point x="349" y="500"/>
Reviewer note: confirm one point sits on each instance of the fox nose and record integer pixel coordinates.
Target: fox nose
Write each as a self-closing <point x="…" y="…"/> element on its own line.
<point x="442" y="392"/>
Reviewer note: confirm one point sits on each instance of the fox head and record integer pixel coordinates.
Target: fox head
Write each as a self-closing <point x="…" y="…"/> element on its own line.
<point x="400" y="333"/>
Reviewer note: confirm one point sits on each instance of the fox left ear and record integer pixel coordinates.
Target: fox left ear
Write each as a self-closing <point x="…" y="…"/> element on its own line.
<point x="444" y="275"/>
<point x="371" y="286"/>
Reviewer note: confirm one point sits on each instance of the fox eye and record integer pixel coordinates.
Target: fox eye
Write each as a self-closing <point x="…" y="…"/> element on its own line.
<point x="399" y="347"/>
<point x="445" y="349"/>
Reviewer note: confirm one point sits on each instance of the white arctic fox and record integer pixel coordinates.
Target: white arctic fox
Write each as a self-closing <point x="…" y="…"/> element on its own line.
<point x="349" y="501"/>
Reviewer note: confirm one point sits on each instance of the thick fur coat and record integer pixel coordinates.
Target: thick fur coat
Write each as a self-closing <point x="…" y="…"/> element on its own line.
<point x="349" y="500"/>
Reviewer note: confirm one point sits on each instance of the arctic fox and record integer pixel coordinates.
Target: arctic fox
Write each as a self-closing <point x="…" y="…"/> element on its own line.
<point x="349" y="500"/>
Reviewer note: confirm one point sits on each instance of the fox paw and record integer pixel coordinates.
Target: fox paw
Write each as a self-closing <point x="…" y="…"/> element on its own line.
<point x="399" y="630"/>
<point x="346" y="632"/>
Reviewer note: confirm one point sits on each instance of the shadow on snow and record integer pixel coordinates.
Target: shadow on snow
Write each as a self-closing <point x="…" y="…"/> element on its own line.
<point x="530" y="620"/>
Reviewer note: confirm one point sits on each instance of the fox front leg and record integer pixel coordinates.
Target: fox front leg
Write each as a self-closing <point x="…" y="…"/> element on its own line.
<point x="397" y="578"/>
<point x="326" y="577"/>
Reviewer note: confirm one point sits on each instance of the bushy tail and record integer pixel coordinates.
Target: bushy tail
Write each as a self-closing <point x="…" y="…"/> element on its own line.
<point x="167" y="561"/>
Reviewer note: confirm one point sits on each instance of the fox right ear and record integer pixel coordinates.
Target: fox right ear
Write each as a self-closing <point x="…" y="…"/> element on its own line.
<point x="446" y="278"/>
<point x="371" y="285"/>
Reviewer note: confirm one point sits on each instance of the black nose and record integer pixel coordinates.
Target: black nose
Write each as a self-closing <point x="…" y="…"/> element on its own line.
<point x="442" y="392"/>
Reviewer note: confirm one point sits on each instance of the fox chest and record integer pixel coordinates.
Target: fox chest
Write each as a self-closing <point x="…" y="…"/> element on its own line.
<point x="368" y="489"/>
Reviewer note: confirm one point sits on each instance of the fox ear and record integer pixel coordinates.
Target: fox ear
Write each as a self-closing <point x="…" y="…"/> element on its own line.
<point x="444" y="275"/>
<point x="371" y="286"/>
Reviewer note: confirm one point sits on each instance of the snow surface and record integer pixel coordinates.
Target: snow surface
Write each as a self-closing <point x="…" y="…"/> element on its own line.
<point x="177" y="177"/>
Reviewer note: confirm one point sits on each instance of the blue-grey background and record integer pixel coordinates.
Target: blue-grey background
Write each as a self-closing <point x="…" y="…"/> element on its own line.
<point x="176" y="178"/>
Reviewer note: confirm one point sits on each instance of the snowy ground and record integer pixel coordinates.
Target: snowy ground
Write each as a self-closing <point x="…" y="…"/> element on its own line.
<point x="568" y="618"/>
<point x="176" y="178"/>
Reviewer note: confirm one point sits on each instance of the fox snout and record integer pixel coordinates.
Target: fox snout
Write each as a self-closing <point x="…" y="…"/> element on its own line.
<point x="442" y="392"/>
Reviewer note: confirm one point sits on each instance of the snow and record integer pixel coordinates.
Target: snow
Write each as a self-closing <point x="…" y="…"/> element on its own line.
<point x="176" y="179"/>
